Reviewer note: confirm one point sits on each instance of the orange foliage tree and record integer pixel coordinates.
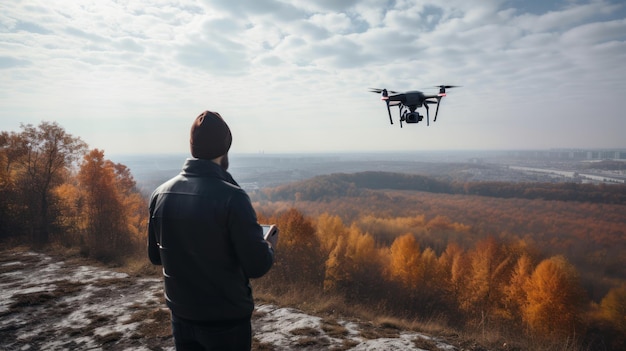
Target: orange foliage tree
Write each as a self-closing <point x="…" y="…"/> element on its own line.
<point x="404" y="270"/>
<point x="555" y="299"/>
<point x="112" y="210"/>
<point x="329" y="229"/>
<point x="514" y="291"/>
<point x="298" y="255"/>
<point x="354" y="265"/>
<point x="454" y="270"/>
<point x="489" y="272"/>
<point x="404" y="262"/>
<point x="613" y="308"/>
<point x="134" y="204"/>
<point x="70" y="217"/>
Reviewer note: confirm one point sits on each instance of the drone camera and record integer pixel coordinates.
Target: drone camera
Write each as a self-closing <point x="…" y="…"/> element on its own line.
<point x="414" y="117"/>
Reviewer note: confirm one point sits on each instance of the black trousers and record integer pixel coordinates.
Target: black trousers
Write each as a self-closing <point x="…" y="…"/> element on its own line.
<point x="212" y="336"/>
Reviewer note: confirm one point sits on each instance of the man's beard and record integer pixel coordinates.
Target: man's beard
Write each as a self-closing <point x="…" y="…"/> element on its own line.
<point x="224" y="162"/>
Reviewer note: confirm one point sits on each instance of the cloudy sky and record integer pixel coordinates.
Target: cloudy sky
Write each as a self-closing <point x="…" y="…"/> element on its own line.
<point x="294" y="75"/>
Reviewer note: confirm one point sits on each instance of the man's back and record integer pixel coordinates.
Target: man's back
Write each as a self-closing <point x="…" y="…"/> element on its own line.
<point x="209" y="242"/>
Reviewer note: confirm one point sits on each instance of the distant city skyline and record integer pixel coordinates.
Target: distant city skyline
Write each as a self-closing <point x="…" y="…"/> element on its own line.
<point x="294" y="77"/>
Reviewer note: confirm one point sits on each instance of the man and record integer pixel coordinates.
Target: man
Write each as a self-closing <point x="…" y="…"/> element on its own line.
<point x="204" y="232"/>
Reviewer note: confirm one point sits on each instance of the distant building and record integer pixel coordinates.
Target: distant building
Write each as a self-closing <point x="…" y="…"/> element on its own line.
<point x="573" y="154"/>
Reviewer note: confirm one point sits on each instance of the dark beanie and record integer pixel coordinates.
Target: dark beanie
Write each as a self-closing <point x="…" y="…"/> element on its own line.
<point x="210" y="136"/>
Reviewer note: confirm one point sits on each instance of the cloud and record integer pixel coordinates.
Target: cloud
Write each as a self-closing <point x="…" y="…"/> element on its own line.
<point x="290" y="58"/>
<point x="333" y="22"/>
<point x="565" y="18"/>
<point x="269" y="60"/>
<point x="30" y="27"/>
<point x="247" y="9"/>
<point x="217" y="46"/>
<point x="11" y="62"/>
<point x="596" y="33"/>
<point x="216" y="58"/>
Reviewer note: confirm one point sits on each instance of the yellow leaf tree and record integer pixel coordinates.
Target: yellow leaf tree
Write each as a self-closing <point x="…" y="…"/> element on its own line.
<point x="404" y="263"/>
<point x="555" y="299"/>
<point x="336" y="275"/>
<point x="113" y="208"/>
<point x="329" y="229"/>
<point x="298" y="256"/>
<point x="514" y="291"/>
<point x="613" y="308"/>
<point x="489" y="268"/>
<point x="454" y="270"/>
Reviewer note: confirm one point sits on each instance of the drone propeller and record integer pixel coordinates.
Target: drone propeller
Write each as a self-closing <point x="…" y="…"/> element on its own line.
<point x="443" y="87"/>
<point x="378" y="91"/>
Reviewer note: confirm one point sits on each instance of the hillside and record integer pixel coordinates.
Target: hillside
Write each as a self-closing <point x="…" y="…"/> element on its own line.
<point x="72" y="304"/>
<point x="355" y="184"/>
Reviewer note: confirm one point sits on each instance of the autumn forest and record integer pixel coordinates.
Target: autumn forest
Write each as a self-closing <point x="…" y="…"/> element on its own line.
<point x="538" y="263"/>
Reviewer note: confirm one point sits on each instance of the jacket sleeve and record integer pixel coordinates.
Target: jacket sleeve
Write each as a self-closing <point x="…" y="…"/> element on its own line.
<point x="255" y="255"/>
<point x="153" y="246"/>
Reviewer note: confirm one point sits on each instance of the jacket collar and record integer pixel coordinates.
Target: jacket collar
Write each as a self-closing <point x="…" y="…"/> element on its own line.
<point x="206" y="168"/>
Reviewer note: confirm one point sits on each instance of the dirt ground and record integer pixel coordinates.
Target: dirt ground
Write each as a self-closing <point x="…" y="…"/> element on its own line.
<point x="72" y="304"/>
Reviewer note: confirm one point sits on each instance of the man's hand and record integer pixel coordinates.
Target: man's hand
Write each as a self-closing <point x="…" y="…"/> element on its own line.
<point x="273" y="239"/>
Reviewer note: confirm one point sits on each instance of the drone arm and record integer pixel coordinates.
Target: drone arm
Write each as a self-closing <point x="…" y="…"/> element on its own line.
<point x="437" y="110"/>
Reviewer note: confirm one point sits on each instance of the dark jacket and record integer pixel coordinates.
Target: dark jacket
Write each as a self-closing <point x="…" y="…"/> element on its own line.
<point x="204" y="232"/>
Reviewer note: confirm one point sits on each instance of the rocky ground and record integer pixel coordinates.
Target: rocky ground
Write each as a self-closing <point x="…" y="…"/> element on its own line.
<point x="72" y="304"/>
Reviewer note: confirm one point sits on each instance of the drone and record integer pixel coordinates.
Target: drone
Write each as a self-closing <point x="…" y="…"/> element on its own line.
<point x="409" y="101"/>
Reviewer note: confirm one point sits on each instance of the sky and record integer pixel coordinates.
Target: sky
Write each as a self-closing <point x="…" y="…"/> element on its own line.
<point x="293" y="76"/>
